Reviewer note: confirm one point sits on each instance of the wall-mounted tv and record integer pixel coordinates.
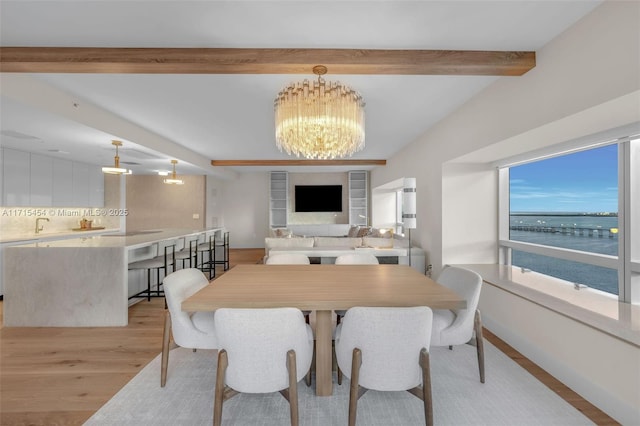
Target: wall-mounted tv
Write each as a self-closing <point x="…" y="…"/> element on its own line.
<point x="318" y="198"/>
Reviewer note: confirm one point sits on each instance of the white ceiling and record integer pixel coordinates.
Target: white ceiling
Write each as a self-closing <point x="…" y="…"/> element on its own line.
<point x="197" y="118"/>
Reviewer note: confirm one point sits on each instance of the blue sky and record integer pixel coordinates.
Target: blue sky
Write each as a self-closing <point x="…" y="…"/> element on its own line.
<point x="584" y="181"/>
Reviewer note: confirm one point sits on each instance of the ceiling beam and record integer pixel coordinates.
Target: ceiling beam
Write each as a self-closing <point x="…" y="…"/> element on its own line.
<point x="263" y="61"/>
<point x="285" y="163"/>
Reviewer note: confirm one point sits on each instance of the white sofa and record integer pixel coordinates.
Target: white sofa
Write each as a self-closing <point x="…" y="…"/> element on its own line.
<point x="388" y="250"/>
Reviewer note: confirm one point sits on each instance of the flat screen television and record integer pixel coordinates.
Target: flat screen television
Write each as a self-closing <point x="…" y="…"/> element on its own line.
<point x="318" y="198"/>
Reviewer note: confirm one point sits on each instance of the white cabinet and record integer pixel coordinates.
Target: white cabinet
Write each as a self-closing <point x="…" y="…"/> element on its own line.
<point x="358" y="198"/>
<point x="15" y="178"/>
<point x="62" y="183"/>
<point x="278" y="199"/>
<point x="80" y="184"/>
<point x="41" y="182"/>
<point x="96" y="187"/>
<point x="1" y="177"/>
<point x="29" y="179"/>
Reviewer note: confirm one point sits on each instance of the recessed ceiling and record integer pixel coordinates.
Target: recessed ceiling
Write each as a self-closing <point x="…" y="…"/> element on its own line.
<point x="198" y="118"/>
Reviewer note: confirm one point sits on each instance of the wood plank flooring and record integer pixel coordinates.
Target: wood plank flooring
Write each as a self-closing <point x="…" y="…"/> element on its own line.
<point x="61" y="376"/>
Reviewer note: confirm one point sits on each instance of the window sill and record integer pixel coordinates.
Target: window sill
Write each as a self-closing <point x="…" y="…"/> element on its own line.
<point x="594" y="308"/>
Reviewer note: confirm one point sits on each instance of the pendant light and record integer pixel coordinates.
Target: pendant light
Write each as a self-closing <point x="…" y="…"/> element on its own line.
<point x="116" y="169"/>
<point x="173" y="180"/>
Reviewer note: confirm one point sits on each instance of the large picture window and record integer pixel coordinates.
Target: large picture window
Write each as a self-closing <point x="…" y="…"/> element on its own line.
<point x="570" y="215"/>
<point x="569" y="201"/>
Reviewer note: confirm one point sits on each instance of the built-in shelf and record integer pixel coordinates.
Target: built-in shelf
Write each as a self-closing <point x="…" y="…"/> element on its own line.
<point x="358" y="198"/>
<point x="278" y="199"/>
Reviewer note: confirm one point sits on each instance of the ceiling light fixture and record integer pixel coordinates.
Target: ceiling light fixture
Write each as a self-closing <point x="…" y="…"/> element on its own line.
<point x="116" y="169"/>
<point x="173" y="180"/>
<point x="319" y="120"/>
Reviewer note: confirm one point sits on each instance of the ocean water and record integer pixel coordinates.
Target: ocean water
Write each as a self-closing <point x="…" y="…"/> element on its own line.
<point x="563" y="230"/>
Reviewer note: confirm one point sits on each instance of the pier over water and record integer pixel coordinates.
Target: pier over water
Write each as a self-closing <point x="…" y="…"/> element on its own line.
<point x="567" y="230"/>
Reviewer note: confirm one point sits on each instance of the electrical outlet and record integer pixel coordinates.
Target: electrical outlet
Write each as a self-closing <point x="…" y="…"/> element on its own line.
<point x="196" y="216"/>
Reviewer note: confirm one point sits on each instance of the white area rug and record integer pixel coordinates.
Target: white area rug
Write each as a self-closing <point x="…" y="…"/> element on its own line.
<point x="510" y="396"/>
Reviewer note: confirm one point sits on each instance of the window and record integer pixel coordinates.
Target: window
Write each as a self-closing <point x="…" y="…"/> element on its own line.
<point x="570" y="216"/>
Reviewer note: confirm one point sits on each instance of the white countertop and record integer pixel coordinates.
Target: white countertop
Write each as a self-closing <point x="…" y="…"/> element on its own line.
<point x="132" y="239"/>
<point x="16" y="238"/>
<point x="595" y="308"/>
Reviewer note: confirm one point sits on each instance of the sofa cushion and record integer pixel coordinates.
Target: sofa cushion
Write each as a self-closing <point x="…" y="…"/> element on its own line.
<point x="377" y="242"/>
<point x="337" y="242"/>
<point x="270" y="243"/>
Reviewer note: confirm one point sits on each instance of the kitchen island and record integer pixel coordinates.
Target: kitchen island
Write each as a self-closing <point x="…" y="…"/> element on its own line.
<point x="79" y="282"/>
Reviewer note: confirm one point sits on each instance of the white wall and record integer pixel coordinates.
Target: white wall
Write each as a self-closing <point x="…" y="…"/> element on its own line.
<point x="319" y="179"/>
<point x="245" y="209"/>
<point x="577" y="88"/>
<point x="586" y="81"/>
<point x="601" y="368"/>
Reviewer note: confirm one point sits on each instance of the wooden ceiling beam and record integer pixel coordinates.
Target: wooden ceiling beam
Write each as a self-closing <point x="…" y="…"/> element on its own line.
<point x="286" y="163"/>
<point x="263" y="61"/>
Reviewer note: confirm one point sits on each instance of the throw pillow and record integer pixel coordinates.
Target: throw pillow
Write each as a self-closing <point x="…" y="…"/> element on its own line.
<point x="353" y="231"/>
<point x="363" y="231"/>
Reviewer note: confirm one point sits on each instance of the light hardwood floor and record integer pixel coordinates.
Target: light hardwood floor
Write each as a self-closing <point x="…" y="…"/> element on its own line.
<point x="61" y="376"/>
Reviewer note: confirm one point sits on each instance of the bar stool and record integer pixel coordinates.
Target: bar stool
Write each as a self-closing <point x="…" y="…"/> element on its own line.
<point x="189" y="250"/>
<point x="223" y="244"/>
<point x="160" y="261"/>
<point x="207" y="247"/>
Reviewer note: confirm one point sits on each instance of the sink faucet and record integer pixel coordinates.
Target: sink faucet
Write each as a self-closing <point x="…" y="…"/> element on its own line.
<point x="38" y="226"/>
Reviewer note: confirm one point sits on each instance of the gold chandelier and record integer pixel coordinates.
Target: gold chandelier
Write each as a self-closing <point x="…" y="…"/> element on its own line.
<point x="319" y="120"/>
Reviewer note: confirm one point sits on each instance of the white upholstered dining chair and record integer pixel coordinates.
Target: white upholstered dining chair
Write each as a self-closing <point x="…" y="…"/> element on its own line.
<point x="261" y="351"/>
<point x="457" y="327"/>
<point x="193" y="330"/>
<point x="386" y="349"/>
<point x="290" y="259"/>
<point x="354" y="259"/>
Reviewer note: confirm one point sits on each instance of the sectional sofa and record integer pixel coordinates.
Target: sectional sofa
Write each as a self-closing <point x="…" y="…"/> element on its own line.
<point x="324" y="249"/>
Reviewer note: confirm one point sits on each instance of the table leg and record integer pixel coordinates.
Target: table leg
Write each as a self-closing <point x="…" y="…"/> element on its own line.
<point x="324" y="336"/>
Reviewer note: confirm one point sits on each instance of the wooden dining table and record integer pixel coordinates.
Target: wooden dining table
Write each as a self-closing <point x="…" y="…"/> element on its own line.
<point x="322" y="288"/>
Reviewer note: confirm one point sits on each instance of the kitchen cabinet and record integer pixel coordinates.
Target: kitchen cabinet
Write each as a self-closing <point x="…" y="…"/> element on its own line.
<point x="62" y="183"/>
<point x="16" y="178"/>
<point x="80" y="184"/>
<point x="96" y="187"/>
<point x="34" y="180"/>
<point x="41" y="182"/>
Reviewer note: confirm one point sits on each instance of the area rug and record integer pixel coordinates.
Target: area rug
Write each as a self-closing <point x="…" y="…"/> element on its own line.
<point x="510" y="396"/>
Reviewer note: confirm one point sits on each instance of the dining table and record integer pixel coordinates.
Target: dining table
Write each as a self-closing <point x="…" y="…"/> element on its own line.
<point x="322" y="288"/>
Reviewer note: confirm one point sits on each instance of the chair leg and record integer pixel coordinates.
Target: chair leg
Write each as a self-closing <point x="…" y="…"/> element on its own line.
<point x="166" y="337"/>
<point x="477" y="325"/>
<point x="426" y="386"/>
<point x="307" y="377"/>
<point x="356" y="362"/>
<point x="148" y="285"/>
<point x="293" y="386"/>
<point x="335" y="361"/>
<point x="218" y="399"/>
